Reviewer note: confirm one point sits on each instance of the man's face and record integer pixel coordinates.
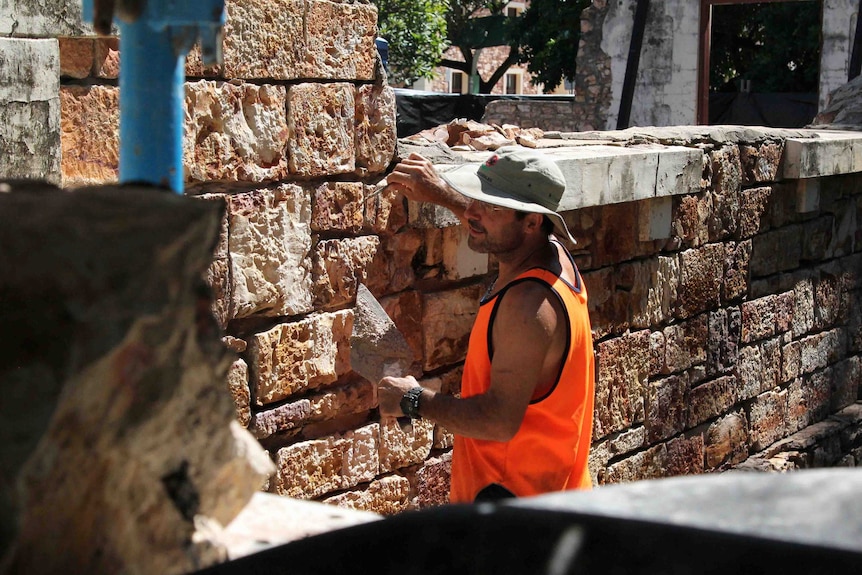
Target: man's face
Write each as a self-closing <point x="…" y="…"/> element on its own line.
<point x="492" y="229"/>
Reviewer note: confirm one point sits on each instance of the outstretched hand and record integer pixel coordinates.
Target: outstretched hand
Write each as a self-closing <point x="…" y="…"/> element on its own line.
<point x="417" y="179"/>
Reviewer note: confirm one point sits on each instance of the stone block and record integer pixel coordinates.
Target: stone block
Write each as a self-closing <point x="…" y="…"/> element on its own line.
<point x="269" y="249"/>
<point x="846" y="383"/>
<point x="803" y="308"/>
<point x="433" y="480"/>
<point x="340" y="265"/>
<point x="760" y="162"/>
<point x="376" y="133"/>
<point x="106" y="60"/>
<point x="76" y="57"/>
<point x="310" y="469"/>
<point x="828" y="296"/>
<point x="357" y="397"/>
<point x="90" y="134"/>
<point x="658" y="353"/>
<point x="405" y="309"/>
<point x="691" y="221"/>
<point x="458" y="260"/>
<point x="386" y="496"/>
<point x="338" y="207"/>
<point x="726" y="441"/>
<point x="685" y="344"/>
<point x="684" y="456"/>
<point x="665" y="407"/>
<point x="297" y="356"/>
<point x="726" y="164"/>
<point x="235" y="132"/>
<point x="722" y="350"/>
<point x="42" y="18"/>
<point x="237" y="385"/>
<point x="623" y="368"/>
<point x="384" y="213"/>
<point x="768" y="418"/>
<point x="818" y="235"/>
<point x="758" y="368"/>
<point x="737" y="263"/>
<point x="758" y="319"/>
<point x="791" y="361"/>
<point x="701" y="273"/>
<point x="321" y="130"/>
<point x="401" y="448"/>
<point x="822" y="349"/>
<point x="30" y="117"/>
<point x="711" y="400"/>
<point x="279" y="419"/>
<point x="647" y="464"/>
<point x="609" y="307"/>
<point x="653" y="291"/>
<point x="340" y="40"/>
<point x="447" y="319"/>
<point x="752" y="212"/>
<point x="265" y="39"/>
<point x="776" y="251"/>
<point x="393" y="268"/>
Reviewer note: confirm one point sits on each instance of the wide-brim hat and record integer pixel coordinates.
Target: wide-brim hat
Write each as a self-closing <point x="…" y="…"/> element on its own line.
<point x="517" y="178"/>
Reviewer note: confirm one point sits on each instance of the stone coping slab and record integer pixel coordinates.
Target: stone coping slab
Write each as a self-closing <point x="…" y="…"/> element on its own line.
<point x="269" y="520"/>
<point x="816" y="507"/>
<point x="642" y="163"/>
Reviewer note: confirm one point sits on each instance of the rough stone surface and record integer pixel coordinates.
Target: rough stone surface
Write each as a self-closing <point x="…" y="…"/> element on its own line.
<point x="375" y="128"/>
<point x="235" y="132"/>
<point x="399" y="448"/>
<point x="338" y="207"/>
<point x="85" y="111"/>
<point x="42" y="18"/>
<point x="339" y="267"/>
<point x="293" y="357"/>
<point x="386" y="496"/>
<point x="237" y="383"/>
<point x="447" y="320"/>
<point x="313" y="468"/>
<point x="726" y="441"/>
<point x="269" y="253"/>
<point x="321" y="129"/>
<point x="129" y="384"/>
<point x="622" y="367"/>
<point x="701" y="272"/>
<point x="30" y="114"/>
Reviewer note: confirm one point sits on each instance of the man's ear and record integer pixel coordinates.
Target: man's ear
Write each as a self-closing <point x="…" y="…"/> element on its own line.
<point x="534" y="222"/>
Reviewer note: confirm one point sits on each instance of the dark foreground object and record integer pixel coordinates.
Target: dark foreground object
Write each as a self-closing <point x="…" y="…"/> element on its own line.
<point x="531" y="537"/>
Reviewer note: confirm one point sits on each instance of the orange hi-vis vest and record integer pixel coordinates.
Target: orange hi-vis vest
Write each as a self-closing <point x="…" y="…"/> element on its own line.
<point x="549" y="451"/>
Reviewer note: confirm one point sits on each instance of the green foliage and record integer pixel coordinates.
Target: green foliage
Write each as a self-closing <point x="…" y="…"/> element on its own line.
<point x="776" y="46"/>
<point x="548" y="34"/>
<point x="416" y="32"/>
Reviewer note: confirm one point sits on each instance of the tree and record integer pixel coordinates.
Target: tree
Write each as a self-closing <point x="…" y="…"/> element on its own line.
<point x="777" y="46"/>
<point x="416" y="32"/>
<point x="476" y="24"/>
<point x="548" y="34"/>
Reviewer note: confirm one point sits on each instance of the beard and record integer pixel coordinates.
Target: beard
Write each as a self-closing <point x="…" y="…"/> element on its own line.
<point x="497" y="242"/>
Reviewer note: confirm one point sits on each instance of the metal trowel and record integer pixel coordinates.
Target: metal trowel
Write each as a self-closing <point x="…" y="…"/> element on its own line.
<point x="377" y="348"/>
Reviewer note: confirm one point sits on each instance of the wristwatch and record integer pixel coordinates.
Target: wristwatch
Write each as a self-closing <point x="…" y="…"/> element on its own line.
<point x="410" y="402"/>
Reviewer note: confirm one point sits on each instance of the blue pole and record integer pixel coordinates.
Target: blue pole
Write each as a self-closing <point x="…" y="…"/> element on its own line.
<point x="152" y="95"/>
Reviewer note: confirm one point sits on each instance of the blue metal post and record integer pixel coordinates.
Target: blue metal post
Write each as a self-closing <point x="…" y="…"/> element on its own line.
<point x="152" y="85"/>
<point x="153" y="48"/>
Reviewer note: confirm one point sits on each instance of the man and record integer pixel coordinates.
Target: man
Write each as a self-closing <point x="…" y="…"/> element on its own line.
<point x="523" y="422"/>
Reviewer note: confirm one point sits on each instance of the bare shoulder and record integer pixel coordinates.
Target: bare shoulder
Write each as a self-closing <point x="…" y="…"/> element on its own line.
<point x="530" y="302"/>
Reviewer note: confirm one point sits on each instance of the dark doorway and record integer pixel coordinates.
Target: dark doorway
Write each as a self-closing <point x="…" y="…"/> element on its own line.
<point x="760" y="62"/>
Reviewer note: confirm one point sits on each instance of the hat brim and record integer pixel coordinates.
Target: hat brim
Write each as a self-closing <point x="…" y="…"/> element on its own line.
<point x="466" y="181"/>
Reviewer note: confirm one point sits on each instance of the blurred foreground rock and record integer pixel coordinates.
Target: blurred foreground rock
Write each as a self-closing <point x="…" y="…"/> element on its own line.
<point x="119" y="451"/>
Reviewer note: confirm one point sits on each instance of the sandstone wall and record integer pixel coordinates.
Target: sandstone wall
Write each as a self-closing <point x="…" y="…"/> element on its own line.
<point x="724" y="293"/>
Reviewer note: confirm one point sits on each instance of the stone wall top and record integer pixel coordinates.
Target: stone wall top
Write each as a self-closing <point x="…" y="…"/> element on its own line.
<point x="612" y="167"/>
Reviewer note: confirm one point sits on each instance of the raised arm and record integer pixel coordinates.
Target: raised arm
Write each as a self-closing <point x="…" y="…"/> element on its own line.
<point x="417" y="179"/>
